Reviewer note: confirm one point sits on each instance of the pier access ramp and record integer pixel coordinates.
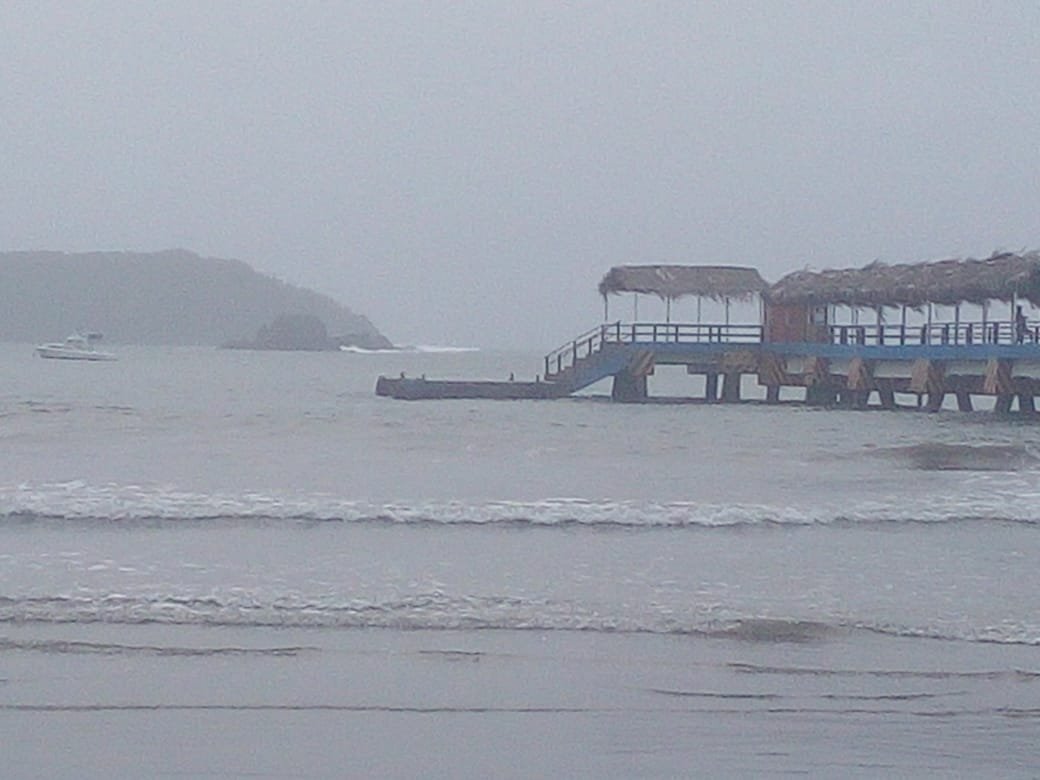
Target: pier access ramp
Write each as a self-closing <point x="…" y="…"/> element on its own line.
<point x="634" y="349"/>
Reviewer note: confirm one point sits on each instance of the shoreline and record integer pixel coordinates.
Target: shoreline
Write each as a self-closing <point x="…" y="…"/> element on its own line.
<point x="181" y="700"/>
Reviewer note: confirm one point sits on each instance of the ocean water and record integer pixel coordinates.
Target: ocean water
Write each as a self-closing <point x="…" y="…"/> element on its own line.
<point x="235" y="564"/>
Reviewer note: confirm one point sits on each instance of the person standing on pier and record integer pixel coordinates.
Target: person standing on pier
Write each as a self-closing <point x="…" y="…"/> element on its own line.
<point x="1021" y="326"/>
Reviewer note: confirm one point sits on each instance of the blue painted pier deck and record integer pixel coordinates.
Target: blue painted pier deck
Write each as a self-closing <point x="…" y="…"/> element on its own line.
<point x="851" y="366"/>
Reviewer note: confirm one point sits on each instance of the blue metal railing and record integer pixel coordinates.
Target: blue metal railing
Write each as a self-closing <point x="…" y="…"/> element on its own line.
<point x="936" y="333"/>
<point x="592" y="341"/>
<point x="955" y="333"/>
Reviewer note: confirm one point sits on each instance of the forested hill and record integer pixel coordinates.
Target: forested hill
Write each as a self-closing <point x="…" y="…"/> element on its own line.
<point x="170" y="297"/>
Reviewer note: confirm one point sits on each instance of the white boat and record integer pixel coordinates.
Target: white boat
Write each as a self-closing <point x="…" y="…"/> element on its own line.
<point x="75" y="347"/>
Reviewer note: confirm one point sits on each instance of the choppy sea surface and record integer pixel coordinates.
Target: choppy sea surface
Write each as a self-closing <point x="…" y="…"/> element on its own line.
<point x="223" y="564"/>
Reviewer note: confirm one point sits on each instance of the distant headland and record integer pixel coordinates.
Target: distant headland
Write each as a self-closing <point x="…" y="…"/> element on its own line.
<point x="171" y="297"/>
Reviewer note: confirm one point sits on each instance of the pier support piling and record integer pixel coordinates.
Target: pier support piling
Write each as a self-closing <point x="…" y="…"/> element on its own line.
<point x="731" y="387"/>
<point x="628" y="388"/>
<point x="711" y="386"/>
<point x="935" y="400"/>
<point x="820" y="395"/>
<point x="964" y="403"/>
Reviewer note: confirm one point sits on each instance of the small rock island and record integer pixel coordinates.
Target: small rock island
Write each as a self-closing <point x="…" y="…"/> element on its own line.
<point x="306" y="332"/>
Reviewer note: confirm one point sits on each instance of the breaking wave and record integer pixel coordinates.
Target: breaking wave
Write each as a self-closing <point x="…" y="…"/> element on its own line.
<point x="83" y="502"/>
<point x="437" y="349"/>
<point x="440" y="611"/>
<point x="429" y="349"/>
<point x="408" y="350"/>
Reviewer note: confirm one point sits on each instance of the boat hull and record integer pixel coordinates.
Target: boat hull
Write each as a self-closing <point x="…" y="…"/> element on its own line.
<point x="57" y="352"/>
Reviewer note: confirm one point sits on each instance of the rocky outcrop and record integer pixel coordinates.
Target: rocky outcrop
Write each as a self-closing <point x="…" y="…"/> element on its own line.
<point x="304" y="332"/>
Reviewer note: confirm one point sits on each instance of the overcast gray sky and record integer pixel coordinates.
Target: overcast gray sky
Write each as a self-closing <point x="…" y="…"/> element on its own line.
<point x="464" y="173"/>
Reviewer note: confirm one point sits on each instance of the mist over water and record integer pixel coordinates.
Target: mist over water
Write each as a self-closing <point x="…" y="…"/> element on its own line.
<point x="219" y="564"/>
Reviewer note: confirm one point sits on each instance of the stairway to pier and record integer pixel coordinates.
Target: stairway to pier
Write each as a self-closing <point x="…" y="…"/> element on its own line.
<point x="605" y="360"/>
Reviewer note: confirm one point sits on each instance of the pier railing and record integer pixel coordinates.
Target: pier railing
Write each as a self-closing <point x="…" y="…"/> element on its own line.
<point x="955" y="333"/>
<point x="592" y="341"/>
<point x="936" y="333"/>
<point x="682" y="333"/>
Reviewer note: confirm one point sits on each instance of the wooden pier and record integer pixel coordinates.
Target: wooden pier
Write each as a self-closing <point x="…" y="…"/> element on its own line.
<point x="873" y="370"/>
<point x="796" y="350"/>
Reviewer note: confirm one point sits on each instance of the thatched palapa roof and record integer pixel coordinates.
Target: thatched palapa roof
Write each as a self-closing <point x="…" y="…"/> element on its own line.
<point x="676" y="281"/>
<point x="1001" y="277"/>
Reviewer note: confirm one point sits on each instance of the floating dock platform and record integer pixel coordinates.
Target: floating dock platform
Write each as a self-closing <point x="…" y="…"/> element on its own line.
<point x="416" y="389"/>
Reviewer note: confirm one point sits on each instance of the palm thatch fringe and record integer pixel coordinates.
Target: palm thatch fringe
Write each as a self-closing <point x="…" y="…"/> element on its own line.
<point x="1002" y="277"/>
<point x="669" y="282"/>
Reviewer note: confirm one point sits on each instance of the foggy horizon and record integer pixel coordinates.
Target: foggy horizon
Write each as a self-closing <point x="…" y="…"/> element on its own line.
<point x="465" y="175"/>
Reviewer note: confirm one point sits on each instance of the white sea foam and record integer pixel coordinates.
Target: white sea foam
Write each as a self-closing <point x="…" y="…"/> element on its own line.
<point x="79" y="500"/>
<point x="436" y="610"/>
<point x="446" y="349"/>
<point x="408" y="350"/>
<point x="363" y="351"/>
